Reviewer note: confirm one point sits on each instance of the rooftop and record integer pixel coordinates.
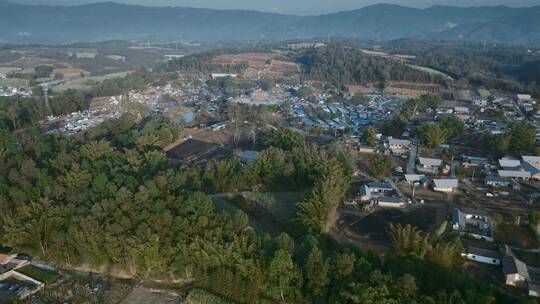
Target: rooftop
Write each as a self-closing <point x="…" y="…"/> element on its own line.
<point x="511" y="265"/>
<point x="430" y="161"/>
<point x="445" y="183"/>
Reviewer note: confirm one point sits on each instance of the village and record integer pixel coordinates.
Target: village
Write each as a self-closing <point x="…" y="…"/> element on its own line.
<point x="453" y="189"/>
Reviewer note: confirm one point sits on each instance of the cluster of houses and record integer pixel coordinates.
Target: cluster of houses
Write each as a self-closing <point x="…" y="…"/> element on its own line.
<point x="528" y="167"/>
<point x="476" y="224"/>
<point x="336" y="116"/>
<point x="8" y="91"/>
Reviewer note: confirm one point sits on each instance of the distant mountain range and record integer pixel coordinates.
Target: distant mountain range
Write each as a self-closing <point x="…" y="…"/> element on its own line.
<point x="106" y="21"/>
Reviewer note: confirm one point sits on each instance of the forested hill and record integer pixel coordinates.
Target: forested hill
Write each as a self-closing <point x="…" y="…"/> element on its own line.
<point x="342" y="65"/>
<point x="26" y="23"/>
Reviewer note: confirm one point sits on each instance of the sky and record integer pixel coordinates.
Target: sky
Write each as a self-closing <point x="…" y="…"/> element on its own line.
<point x="297" y="7"/>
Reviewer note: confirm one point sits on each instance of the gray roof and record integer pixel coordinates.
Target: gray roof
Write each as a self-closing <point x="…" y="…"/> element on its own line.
<point x="498" y="179"/>
<point x="458" y="217"/>
<point x="514" y="173"/>
<point x="430" y="161"/>
<point x="414" y="177"/>
<point x="380" y="185"/>
<point x="511" y="265"/>
<point x="402" y="142"/>
<point x="509" y="163"/>
<point x="445" y="183"/>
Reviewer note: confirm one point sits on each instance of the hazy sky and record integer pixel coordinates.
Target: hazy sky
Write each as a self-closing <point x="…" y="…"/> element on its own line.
<point x="300" y="7"/>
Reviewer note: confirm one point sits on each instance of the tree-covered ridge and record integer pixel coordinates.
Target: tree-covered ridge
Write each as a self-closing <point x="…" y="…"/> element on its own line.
<point x="342" y="65"/>
<point x="110" y="198"/>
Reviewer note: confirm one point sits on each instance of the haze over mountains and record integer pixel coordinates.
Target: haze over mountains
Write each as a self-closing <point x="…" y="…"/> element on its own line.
<point x="104" y="21"/>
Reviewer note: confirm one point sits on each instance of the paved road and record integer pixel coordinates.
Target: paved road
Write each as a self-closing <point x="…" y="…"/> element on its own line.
<point x="412" y="157"/>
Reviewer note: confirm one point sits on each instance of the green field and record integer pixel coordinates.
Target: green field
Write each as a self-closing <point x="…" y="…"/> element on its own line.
<point x="81" y="83"/>
<point x="13" y="82"/>
<point x="7" y="70"/>
<point x="483" y="93"/>
<point x="430" y="71"/>
<point x="42" y="275"/>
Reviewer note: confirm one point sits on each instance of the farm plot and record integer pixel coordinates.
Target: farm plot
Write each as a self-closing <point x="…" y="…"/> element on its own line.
<point x="86" y="83"/>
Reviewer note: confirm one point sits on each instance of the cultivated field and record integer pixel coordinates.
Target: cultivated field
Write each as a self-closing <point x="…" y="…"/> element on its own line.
<point x="84" y="83"/>
<point x="259" y="64"/>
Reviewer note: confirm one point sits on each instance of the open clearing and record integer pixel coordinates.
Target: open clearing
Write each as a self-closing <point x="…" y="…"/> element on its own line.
<point x="428" y="217"/>
<point x="81" y="83"/>
<point x="13" y="82"/>
<point x="430" y="71"/>
<point x="7" y="70"/>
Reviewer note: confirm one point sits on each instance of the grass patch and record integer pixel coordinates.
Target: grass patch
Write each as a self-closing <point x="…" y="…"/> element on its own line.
<point x="45" y="276"/>
<point x="529" y="258"/>
<point x="7" y="70"/>
<point x="84" y="83"/>
<point x="199" y="296"/>
<point x="522" y="236"/>
<point x="13" y="82"/>
<point x="430" y="71"/>
<point x="280" y="204"/>
<point x="483" y="93"/>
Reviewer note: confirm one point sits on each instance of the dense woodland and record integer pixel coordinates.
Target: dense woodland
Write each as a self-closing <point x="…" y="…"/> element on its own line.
<point x="201" y="63"/>
<point x="343" y="65"/>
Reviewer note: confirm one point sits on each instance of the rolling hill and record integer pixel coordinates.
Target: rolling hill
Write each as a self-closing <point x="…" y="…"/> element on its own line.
<point x="105" y="21"/>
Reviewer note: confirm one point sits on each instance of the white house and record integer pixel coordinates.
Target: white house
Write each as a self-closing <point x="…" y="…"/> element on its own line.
<point x="482" y="255"/>
<point x="429" y="165"/>
<point x="509" y="163"/>
<point x="399" y="146"/>
<point x="523" y="97"/>
<point x="389" y="202"/>
<point x="414" y="178"/>
<point x="445" y="185"/>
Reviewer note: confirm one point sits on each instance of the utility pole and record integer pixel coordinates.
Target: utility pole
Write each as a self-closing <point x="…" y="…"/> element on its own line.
<point x="45" y="90"/>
